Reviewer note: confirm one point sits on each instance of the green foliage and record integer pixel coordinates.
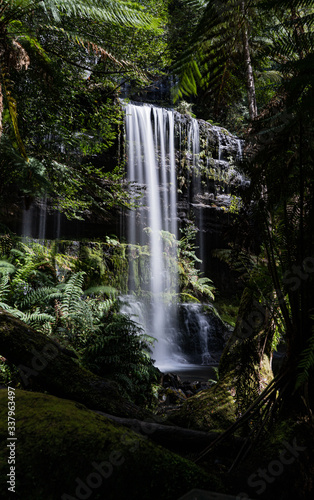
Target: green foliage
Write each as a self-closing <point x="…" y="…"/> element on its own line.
<point x="213" y="62"/>
<point x="228" y="310"/>
<point x="120" y="351"/>
<point x="306" y="363"/>
<point x="53" y="299"/>
<point x="105" y="264"/>
<point x="23" y="19"/>
<point x="29" y="176"/>
<point x="192" y="284"/>
<point x="279" y="164"/>
<point x="68" y="115"/>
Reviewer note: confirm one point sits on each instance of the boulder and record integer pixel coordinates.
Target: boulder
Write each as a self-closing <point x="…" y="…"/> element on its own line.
<point x="65" y="451"/>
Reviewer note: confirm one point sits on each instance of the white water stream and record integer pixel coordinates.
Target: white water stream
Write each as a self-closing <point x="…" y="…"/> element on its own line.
<point x="151" y="169"/>
<point x="151" y="163"/>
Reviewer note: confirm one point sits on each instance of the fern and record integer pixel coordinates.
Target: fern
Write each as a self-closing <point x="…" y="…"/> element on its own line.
<point x="4" y="286"/>
<point x="41" y="296"/>
<point x="306" y="363"/>
<point x="6" y="267"/>
<point x="119" y="351"/>
<point x="71" y="293"/>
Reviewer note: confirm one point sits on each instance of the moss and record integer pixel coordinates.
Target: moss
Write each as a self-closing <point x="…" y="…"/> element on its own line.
<point x="212" y="409"/>
<point x="60" y="374"/>
<point x="228" y="310"/>
<point x="59" y="441"/>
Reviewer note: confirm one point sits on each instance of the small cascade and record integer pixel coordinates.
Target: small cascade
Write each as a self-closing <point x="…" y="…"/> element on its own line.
<point x="34" y="220"/>
<point x="199" y="335"/>
<point x="194" y="164"/>
<point x="42" y="219"/>
<point x="28" y="219"/>
<point x="57" y="226"/>
<point x="240" y="152"/>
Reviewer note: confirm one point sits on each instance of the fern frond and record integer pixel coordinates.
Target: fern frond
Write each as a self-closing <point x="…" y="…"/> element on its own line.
<point x="306" y="363"/>
<point x="72" y="293"/>
<point x="6" y="267"/>
<point x="40" y="296"/>
<point x="37" y="318"/>
<point x="12" y="310"/>
<point x="4" y="286"/>
<point x="108" y="11"/>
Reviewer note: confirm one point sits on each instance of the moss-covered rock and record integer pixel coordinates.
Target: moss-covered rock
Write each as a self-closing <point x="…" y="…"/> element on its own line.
<point x="211" y="409"/>
<point x="63" y="450"/>
<point x="45" y="365"/>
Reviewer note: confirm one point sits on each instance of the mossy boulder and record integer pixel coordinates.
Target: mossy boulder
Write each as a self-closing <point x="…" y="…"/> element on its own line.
<point x="63" y="450"/>
<point x="211" y="409"/>
<point x="44" y="364"/>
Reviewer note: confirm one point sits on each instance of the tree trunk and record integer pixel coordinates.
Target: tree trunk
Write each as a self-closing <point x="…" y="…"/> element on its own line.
<point x="250" y="84"/>
<point x="173" y="437"/>
<point x="45" y="365"/>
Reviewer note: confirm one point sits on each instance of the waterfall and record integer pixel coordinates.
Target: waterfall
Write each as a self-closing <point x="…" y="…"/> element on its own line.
<point x="151" y="164"/>
<point x="162" y="145"/>
<point x="42" y="219"/>
<point x="34" y="220"/>
<point x="194" y="150"/>
<point x="27" y="221"/>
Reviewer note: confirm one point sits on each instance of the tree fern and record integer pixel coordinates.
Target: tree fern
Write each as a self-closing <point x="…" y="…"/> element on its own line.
<point x="21" y="20"/>
<point x="306" y="363"/>
<point x="224" y="28"/>
<point x="118" y="350"/>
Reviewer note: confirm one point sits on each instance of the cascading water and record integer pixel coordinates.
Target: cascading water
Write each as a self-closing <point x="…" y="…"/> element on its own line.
<point x="43" y="219"/>
<point x="39" y="222"/>
<point x="152" y="162"/>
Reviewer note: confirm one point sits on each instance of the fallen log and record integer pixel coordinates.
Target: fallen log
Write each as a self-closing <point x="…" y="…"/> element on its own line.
<point x="171" y="437"/>
<point x="45" y="365"/>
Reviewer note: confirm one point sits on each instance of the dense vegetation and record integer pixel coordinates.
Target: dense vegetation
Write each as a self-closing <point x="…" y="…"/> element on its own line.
<point x="247" y="65"/>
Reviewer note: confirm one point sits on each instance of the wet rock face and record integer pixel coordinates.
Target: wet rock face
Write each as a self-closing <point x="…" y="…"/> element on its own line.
<point x="175" y="391"/>
<point x="201" y="334"/>
<point x="208" y="185"/>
